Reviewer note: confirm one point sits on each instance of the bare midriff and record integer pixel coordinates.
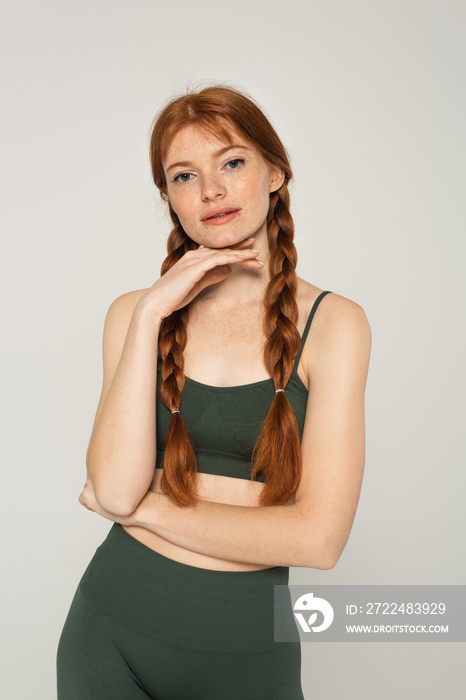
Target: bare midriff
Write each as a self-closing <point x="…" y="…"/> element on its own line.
<point x="211" y="487"/>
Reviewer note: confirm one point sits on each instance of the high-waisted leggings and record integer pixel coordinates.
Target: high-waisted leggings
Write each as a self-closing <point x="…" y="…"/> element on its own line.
<point x="143" y="626"/>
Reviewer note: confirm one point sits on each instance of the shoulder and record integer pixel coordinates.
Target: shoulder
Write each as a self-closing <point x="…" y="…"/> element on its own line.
<point x="340" y="331"/>
<point x="334" y="311"/>
<point x="339" y="312"/>
<point x="126" y="302"/>
<point x="121" y="308"/>
<point x="119" y="316"/>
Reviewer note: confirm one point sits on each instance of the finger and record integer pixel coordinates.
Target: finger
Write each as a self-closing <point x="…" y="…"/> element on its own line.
<point x="251" y="261"/>
<point x="222" y="257"/>
<point x="209" y="252"/>
<point x="217" y="258"/>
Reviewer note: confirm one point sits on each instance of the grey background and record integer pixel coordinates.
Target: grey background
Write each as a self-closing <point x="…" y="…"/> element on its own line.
<point x="368" y="97"/>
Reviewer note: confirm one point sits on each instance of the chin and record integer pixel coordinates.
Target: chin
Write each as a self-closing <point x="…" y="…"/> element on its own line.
<point x="223" y="241"/>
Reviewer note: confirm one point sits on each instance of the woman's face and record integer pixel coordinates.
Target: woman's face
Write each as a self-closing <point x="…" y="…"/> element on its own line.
<point x="207" y="180"/>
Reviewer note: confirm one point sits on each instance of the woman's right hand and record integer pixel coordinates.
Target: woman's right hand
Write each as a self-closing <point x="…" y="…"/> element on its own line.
<point x="194" y="271"/>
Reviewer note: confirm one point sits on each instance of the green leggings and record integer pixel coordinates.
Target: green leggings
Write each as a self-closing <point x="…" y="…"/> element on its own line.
<point x="143" y="626"/>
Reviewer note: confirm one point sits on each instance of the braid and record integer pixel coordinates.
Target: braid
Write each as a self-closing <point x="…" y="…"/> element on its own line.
<point x="277" y="452"/>
<point x="179" y="472"/>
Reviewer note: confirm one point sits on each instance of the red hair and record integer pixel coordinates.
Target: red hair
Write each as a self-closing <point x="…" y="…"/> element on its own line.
<point x="277" y="452"/>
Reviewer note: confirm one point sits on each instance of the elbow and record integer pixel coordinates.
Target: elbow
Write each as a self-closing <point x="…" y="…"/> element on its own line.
<point x="330" y="557"/>
<point x="320" y="560"/>
<point x="324" y="557"/>
<point x="113" y="496"/>
<point x="114" y="503"/>
<point x="328" y="564"/>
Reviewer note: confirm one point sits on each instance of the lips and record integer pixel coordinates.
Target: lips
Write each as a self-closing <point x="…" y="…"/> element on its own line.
<point x="215" y="212"/>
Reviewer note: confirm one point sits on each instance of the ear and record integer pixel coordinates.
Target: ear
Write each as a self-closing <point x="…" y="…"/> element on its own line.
<point x="277" y="178"/>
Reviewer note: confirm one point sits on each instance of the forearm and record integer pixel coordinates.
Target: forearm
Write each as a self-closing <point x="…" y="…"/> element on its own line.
<point x="122" y="450"/>
<point x="270" y="535"/>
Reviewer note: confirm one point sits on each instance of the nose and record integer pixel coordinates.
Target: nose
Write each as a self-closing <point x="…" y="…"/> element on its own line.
<point x="211" y="187"/>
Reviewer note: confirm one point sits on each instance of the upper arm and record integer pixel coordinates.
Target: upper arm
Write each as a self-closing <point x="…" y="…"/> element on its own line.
<point x="333" y="440"/>
<point x="115" y="330"/>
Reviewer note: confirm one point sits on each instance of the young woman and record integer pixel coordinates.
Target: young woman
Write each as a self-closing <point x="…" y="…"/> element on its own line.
<point x="228" y="443"/>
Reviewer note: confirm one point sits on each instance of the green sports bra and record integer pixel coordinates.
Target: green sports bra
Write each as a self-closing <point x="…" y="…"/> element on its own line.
<point x="224" y="422"/>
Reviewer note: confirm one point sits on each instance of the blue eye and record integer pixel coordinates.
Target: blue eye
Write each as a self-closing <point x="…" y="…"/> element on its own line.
<point x="175" y="179"/>
<point x="234" y="160"/>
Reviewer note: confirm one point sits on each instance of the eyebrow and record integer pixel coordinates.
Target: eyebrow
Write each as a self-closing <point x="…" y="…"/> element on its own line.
<point x="216" y="155"/>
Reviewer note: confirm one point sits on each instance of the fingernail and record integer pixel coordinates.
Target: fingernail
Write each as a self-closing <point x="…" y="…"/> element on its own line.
<point x="255" y="250"/>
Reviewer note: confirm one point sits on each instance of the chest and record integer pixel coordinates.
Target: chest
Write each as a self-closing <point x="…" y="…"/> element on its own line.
<point x="224" y="423"/>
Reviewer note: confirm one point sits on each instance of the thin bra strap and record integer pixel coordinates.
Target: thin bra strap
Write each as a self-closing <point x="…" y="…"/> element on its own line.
<point x="308" y="325"/>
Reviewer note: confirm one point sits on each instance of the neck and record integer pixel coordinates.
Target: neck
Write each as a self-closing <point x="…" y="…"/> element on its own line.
<point x="242" y="286"/>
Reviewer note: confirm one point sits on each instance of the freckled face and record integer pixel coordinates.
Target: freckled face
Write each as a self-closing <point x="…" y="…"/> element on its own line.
<point x="239" y="178"/>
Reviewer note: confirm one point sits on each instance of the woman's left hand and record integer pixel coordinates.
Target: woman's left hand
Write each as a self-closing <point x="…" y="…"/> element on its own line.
<point x="89" y="501"/>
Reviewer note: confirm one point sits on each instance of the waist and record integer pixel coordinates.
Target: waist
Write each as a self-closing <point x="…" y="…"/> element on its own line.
<point x="164" y="598"/>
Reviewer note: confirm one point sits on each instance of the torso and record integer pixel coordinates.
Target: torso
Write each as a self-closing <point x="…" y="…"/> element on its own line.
<point x="203" y="360"/>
